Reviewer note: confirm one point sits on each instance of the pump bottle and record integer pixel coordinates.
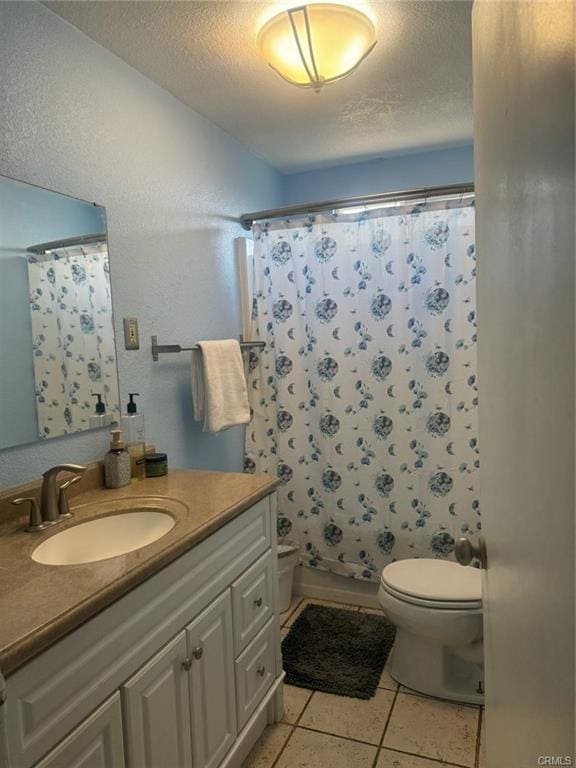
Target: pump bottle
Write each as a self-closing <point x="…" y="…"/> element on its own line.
<point x="133" y="429"/>
<point x="116" y="462"/>
<point x="99" y="418"/>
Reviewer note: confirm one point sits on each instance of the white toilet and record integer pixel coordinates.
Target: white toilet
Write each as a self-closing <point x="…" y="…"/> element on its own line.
<point x="436" y="607"/>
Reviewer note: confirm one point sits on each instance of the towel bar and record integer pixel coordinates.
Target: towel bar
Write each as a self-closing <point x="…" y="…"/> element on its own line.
<point x="161" y="349"/>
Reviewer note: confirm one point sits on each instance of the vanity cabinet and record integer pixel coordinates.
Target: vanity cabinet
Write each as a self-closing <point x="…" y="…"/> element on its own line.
<point x="184" y="671"/>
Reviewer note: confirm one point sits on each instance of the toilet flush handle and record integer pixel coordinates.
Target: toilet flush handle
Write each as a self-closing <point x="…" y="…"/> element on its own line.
<point x="466" y="552"/>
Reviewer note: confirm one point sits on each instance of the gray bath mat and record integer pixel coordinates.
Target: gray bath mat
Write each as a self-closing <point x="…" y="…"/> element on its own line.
<point x="337" y="651"/>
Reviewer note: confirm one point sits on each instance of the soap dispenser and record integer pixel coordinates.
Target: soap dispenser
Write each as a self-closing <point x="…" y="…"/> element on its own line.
<point x="133" y="427"/>
<point x="117" y="462"/>
<point x="99" y="418"/>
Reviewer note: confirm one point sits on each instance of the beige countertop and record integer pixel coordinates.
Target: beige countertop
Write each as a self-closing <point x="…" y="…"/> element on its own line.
<point x="39" y="604"/>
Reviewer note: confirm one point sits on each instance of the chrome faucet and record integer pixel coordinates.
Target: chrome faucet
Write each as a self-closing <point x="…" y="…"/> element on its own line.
<point x="53" y="505"/>
<point x="51" y="501"/>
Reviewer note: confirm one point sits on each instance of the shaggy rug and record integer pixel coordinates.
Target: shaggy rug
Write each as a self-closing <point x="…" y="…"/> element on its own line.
<point x="337" y="651"/>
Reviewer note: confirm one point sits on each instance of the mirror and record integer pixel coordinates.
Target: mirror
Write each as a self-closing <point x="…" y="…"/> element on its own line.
<point x="57" y="350"/>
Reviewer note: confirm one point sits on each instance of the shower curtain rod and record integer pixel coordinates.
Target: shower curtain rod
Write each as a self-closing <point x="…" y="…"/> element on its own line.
<point x="41" y="248"/>
<point x="247" y="219"/>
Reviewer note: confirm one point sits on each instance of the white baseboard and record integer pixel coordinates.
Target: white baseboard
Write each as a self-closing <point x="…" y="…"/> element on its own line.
<point x="323" y="585"/>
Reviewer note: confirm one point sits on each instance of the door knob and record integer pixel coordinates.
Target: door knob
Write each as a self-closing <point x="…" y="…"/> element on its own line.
<point x="197" y="652"/>
<point x="187" y="664"/>
<point x="261" y="670"/>
<point x="466" y="552"/>
<point x="258" y="602"/>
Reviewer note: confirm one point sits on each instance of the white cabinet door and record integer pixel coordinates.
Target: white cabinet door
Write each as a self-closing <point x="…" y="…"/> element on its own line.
<point x="96" y="743"/>
<point x="157" y="711"/>
<point x="212" y="692"/>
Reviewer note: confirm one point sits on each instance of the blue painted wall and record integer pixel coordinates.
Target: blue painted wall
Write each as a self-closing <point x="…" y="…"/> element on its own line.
<point x="172" y="184"/>
<point x="420" y="169"/>
<point x="31" y="215"/>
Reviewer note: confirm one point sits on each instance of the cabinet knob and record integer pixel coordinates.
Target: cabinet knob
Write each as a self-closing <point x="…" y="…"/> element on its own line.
<point x="187" y="664"/>
<point x="261" y="670"/>
<point x="197" y="652"/>
<point x="258" y="602"/>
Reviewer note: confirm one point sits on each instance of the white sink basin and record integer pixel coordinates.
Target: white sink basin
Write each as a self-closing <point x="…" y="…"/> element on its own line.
<point x="104" y="537"/>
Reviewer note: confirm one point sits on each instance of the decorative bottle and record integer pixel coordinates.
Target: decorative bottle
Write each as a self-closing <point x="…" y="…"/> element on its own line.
<point x="117" y="470"/>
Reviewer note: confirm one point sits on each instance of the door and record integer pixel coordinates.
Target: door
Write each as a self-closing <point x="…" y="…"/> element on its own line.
<point x="95" y="743"/>
<point x="523" y="55"/>
<point x="157" y="710"/>
<point x="212" y="692"/>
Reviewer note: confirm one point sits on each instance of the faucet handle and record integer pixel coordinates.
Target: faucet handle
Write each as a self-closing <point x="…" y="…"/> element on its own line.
<point x="63" y="504"/>
<point x="70" y="482"/>
<point x="35" y="522"/>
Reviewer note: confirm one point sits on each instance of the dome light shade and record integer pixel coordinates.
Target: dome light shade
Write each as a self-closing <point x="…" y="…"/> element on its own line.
<point x="313" y="45"/>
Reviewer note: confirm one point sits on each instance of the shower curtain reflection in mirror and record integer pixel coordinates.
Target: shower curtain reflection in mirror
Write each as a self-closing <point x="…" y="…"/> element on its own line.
<point x="73" y="337"/>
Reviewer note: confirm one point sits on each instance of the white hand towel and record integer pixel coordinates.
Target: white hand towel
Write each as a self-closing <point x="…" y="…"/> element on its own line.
<point x="219" y="385"/>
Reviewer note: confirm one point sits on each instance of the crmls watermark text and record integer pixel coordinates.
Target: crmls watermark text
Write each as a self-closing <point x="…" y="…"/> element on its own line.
<point x="555" y="760"/>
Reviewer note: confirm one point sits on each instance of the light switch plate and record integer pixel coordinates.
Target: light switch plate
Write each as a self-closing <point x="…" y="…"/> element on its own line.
<point x="131" y="335"/>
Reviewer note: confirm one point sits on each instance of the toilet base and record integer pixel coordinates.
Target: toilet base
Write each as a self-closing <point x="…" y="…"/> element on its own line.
<point x="447" y="673"/>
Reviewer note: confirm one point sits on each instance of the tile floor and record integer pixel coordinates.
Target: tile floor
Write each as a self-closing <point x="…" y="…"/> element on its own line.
<point x="395" y="729"/>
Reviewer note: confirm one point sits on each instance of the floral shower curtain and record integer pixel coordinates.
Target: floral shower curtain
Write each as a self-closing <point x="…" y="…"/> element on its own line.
<point x="365" y="397"/>
<point x="73" y="337"/>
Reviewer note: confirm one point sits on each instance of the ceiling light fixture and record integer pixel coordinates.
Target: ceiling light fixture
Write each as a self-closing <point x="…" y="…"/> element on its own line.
<point x="314" y="45"/>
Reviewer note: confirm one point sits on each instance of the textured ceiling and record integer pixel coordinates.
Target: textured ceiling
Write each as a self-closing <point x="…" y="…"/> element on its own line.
<point x="413" y="91"/>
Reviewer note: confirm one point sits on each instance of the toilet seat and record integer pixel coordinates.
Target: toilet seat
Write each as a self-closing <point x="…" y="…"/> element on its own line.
<point x="436" y="584"/>
<point x="446" y="605"/>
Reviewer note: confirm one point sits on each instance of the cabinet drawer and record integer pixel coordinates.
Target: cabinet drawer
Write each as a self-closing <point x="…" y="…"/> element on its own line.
<point x="255" y="671"/>
<point x="252" y="601"/>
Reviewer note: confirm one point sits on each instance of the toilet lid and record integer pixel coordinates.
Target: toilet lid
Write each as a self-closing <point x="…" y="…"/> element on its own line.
<point x="438" y="580"/>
